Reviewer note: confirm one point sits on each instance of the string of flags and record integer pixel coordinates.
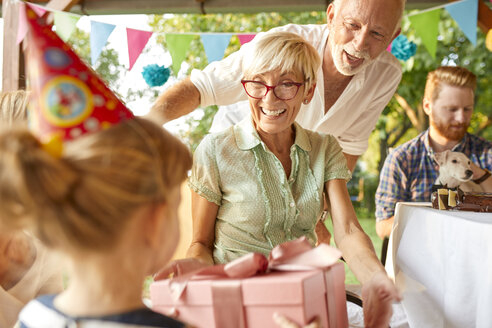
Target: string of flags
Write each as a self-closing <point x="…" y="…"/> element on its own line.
<point x="425" y="23"/>
<point x="178" y="44"/>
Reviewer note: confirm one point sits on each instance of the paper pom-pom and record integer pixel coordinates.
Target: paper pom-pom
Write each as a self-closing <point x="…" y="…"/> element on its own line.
<point x="402" y="48"/>
<point x="155" y="75"/>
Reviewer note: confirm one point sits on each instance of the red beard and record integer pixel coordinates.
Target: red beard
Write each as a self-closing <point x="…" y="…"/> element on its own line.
<point x="446" y="131"/>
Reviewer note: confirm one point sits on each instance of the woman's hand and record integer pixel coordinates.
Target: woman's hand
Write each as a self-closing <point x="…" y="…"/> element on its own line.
<point x="283" y="322"/>
<point x="179" y="267"/>
<point x="378" y="295"/>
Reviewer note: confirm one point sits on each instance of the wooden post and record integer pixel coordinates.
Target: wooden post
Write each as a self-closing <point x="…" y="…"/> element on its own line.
<point x="13" y="60"/>
<point x="484" y="17"/>
<point x="13" y="77"/>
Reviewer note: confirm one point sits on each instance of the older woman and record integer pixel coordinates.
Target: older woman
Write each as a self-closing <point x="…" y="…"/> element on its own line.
<point x="262" y="182"/>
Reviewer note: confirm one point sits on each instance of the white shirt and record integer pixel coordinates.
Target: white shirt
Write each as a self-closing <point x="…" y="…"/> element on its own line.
<point x="351" y="119"/>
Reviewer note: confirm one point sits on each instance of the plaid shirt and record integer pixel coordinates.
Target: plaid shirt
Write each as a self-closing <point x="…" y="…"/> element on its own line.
<point x="410" y="170"/>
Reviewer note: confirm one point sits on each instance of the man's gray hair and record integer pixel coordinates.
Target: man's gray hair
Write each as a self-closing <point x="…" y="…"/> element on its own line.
<point x="337" y="4"/>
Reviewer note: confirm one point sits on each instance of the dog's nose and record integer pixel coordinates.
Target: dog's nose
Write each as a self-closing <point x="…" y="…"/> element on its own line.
<point x="468" y="173"/>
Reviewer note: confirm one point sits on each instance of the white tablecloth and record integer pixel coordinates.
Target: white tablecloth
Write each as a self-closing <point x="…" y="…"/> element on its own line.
<point x="442" y="263"/>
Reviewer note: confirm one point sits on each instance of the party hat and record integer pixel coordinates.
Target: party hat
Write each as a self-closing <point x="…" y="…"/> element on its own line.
<point x="68" y="99"/>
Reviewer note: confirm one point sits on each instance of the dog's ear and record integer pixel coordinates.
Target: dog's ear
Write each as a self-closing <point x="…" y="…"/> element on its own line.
<point x="441" y="157"/>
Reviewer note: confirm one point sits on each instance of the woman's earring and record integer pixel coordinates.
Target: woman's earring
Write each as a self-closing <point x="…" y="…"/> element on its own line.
<point x="305" y="102"/>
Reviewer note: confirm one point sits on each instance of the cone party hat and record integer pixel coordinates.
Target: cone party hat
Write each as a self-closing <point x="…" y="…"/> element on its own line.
<point x="68" y="99"/>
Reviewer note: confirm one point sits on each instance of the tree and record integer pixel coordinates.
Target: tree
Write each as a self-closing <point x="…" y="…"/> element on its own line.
<point x="402" y="119"/>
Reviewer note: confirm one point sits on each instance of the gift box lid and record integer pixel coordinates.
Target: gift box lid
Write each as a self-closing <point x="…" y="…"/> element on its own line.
<point x="272" y="288"/>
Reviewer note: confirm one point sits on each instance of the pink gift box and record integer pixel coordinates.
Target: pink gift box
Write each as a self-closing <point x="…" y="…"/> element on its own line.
<point x="251" y="302"/>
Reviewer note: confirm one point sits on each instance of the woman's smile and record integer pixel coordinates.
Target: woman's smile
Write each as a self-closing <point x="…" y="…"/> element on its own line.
<point x="273" y="113"/>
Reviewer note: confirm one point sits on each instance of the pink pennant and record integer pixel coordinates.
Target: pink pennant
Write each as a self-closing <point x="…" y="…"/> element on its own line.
<point x="22" y="26"/>
<point x="137" y="39"/>
<point x="40" y="11"/>
<point x="245" y="38"/>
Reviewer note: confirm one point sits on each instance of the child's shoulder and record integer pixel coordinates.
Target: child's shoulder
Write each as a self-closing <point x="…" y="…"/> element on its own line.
<point x="41" y="312"/>
<point x="143" y="318"/>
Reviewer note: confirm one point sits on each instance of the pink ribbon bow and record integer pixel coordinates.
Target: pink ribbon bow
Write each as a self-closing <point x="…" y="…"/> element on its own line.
<point x="296" y="255"/>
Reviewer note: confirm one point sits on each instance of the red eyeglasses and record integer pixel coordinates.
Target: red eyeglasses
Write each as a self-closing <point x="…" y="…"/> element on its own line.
<point x="283" y="91"/>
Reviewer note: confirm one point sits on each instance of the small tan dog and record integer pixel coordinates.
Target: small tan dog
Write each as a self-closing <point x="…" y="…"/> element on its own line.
<point x="455" y="171"/>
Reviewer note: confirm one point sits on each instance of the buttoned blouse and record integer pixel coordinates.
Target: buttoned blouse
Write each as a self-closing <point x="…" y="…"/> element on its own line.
<point x="259" y="205"/>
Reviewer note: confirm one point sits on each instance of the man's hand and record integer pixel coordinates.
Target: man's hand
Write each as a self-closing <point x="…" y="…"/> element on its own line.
<point x="378" y="294"/>
<point x="179" y="267"/>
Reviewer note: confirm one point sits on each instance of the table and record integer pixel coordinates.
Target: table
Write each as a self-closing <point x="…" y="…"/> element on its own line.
<point x="442" y="263"/>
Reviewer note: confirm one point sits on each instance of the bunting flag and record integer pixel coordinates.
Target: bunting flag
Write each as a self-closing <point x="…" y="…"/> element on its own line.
<point x="100" y="33"/>
<point x="465" y="13"/>
<point x="426" y="26"/>
<point x="137" y="39"/>
<point x="22" y="24"/>
<point x="215" y="45"/>
<point x="40" y="11"/>
<point x="65" y="24"/>
<point x="178" y="45"/>
<point x="245" y="38"/>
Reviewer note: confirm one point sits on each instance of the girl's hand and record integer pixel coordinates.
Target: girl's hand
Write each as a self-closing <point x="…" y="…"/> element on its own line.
<point x="283" y="322"/>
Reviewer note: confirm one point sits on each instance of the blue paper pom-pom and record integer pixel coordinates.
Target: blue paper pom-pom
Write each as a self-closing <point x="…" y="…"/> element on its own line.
<point x="155" y="75"/>
<point x="402" y="48"/>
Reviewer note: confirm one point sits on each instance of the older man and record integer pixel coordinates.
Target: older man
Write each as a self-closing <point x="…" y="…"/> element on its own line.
<point x="411" y="169"/>
<point x="356" y="79"/>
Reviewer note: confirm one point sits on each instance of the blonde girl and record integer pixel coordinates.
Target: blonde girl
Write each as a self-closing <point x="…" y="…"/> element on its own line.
<point x="109" y="204"/>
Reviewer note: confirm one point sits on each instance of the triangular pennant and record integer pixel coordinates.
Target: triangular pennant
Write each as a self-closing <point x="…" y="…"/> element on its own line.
<point x="465" y="13"/>
<point x="22" y="24"/>
<point x="426" y="26"/>
<point x="65" y="24"/>
<point x="245" y="38"/>
<point x="215" y="45"/>
<point x="100" y="33"/>
<point x="40" y="11"/>
<point x="178" y="45"/>
<point x="137" y="39"/>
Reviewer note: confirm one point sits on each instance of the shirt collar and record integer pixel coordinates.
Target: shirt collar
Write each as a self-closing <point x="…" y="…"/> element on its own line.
<point x="247" y="137"/>
<point x="460" y="147"/>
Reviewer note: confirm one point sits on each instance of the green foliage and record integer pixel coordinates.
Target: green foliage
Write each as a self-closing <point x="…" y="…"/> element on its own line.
<point x="394" y="126"/>
<point x="233" y="23"/>
<point x="196" y="128"/>
<point x="453" y="48"/>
